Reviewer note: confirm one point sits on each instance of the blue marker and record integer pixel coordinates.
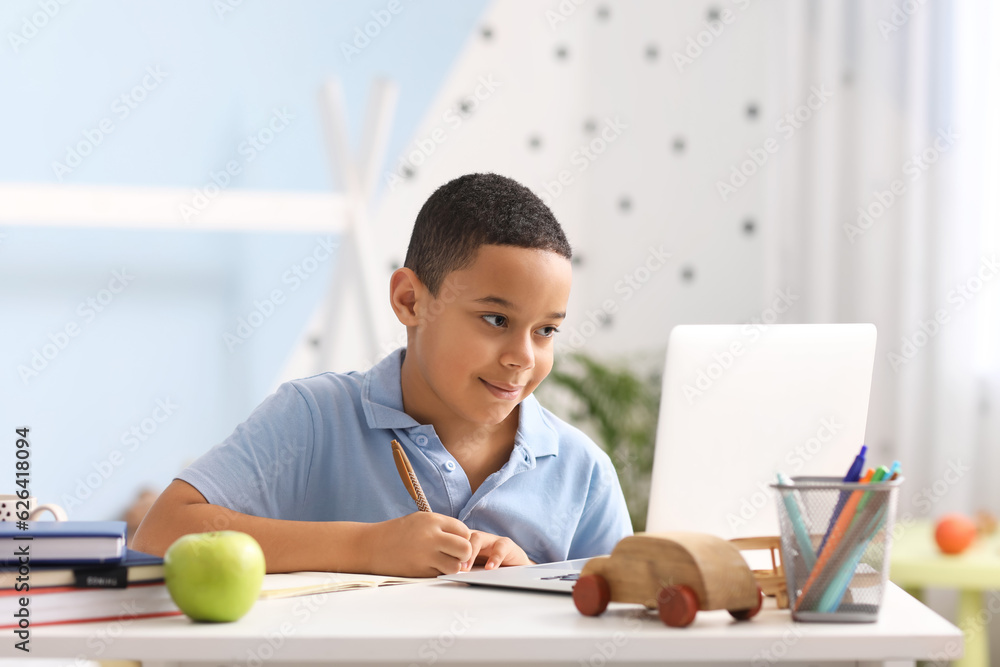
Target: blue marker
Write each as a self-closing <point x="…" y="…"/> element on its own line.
<point x="853" y="475"/>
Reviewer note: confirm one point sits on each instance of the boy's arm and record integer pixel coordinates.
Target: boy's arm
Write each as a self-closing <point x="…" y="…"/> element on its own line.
<point x="288" y="545"/>
<point x="419" y="545"/>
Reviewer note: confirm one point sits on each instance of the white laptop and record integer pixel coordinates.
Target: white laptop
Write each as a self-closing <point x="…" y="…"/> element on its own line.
<point x="742" y="402"/>
<point x="739" y="403"/>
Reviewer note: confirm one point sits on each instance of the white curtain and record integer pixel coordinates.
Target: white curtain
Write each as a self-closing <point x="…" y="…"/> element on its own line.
<point x="884" y="210"/>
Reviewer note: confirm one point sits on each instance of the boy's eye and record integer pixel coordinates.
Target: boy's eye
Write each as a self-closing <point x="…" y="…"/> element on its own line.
<point x="496" y="320"/>
<point x="548" y="332"/>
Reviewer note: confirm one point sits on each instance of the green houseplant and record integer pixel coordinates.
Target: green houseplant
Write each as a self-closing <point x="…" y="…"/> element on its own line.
<point x="617" y="406"/>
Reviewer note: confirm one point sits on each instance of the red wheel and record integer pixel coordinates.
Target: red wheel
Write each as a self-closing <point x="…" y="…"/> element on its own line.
<point x="747" y="614"/>
<point x="677" y="605"/>
<point x="591" y="594"/>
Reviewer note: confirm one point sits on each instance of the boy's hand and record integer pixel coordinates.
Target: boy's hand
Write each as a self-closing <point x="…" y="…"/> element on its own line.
<point x="422" y="544"/>
<point x="494" y="551"/>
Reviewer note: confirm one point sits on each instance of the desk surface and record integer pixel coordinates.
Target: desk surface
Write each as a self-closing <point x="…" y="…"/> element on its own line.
<point x="443" y="622"/>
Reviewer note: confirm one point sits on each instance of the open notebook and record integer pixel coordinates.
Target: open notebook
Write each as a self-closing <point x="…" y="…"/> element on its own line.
<point x="294" y="584"/>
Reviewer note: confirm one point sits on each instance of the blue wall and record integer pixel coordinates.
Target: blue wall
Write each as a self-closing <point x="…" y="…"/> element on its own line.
<point x="156" y="346"/>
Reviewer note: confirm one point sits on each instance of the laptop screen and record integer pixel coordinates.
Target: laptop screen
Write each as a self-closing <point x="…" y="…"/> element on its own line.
<point x="742" y="402"/>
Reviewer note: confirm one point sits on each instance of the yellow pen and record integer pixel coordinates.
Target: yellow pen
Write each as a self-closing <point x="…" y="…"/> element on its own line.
<point x="409" y="477"/>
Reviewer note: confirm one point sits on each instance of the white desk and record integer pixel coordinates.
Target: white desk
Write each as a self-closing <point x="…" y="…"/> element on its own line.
<point x="448" y="623"/>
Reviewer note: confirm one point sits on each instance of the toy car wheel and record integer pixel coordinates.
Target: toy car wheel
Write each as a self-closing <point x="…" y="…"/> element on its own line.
<point x="677" y="605"/>
<point x="747" y="614"/>
<point x="591" y="594"/>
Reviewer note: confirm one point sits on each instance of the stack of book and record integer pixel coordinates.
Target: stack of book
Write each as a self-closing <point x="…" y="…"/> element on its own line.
<point x="77" y="571"/>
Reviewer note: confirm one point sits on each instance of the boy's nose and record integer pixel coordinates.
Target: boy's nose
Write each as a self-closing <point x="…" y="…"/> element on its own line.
<point x="519" y="353"/>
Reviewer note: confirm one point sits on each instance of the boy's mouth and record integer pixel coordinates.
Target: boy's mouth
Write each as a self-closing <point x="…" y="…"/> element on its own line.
<point x="504" y="391"/>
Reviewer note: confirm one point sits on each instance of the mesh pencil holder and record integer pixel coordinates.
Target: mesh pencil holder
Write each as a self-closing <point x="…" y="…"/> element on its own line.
<point x="835" y="540"/>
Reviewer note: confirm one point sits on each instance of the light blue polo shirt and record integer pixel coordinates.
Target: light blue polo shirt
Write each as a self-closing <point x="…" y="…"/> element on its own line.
<point x="318" y="449"/>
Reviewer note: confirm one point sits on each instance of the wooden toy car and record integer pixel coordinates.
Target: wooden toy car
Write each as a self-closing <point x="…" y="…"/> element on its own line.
<point x="677" y="573"/>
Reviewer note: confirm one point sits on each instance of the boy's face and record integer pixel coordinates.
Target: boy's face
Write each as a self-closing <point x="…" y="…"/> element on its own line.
<point x="486" y="341"/>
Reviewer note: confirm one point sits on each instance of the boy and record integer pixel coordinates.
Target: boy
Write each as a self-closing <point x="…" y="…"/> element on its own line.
<point x="311" y="475"/>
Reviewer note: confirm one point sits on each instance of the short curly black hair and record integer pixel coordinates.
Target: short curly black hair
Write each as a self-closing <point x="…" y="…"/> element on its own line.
<point x="476" y="210"/>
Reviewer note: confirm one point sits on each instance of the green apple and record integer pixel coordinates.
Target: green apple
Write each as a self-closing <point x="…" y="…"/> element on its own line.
<point x="214" y="576"/>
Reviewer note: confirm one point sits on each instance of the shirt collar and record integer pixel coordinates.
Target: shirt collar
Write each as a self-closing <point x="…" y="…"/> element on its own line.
<point x="382" y="401"/>
<point x="534" y="431"/>
<point x="382" y="394"/>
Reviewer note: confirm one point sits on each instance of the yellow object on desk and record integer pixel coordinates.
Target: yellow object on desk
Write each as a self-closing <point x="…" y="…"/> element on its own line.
<point x="917" y="563"/>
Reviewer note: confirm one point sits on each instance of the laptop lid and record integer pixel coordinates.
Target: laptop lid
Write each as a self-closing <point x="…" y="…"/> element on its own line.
<point x="741" y="402"/>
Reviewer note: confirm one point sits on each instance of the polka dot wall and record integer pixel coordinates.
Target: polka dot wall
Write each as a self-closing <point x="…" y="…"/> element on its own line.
<point x="623" y="117"/>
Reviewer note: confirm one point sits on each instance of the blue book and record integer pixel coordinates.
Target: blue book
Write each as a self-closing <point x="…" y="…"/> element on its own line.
<point x="134" y="568"/>
<point x="62" y="542"/>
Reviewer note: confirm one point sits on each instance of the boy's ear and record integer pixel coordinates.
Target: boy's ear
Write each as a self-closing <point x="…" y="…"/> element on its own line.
<point x="405" y="290"/>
